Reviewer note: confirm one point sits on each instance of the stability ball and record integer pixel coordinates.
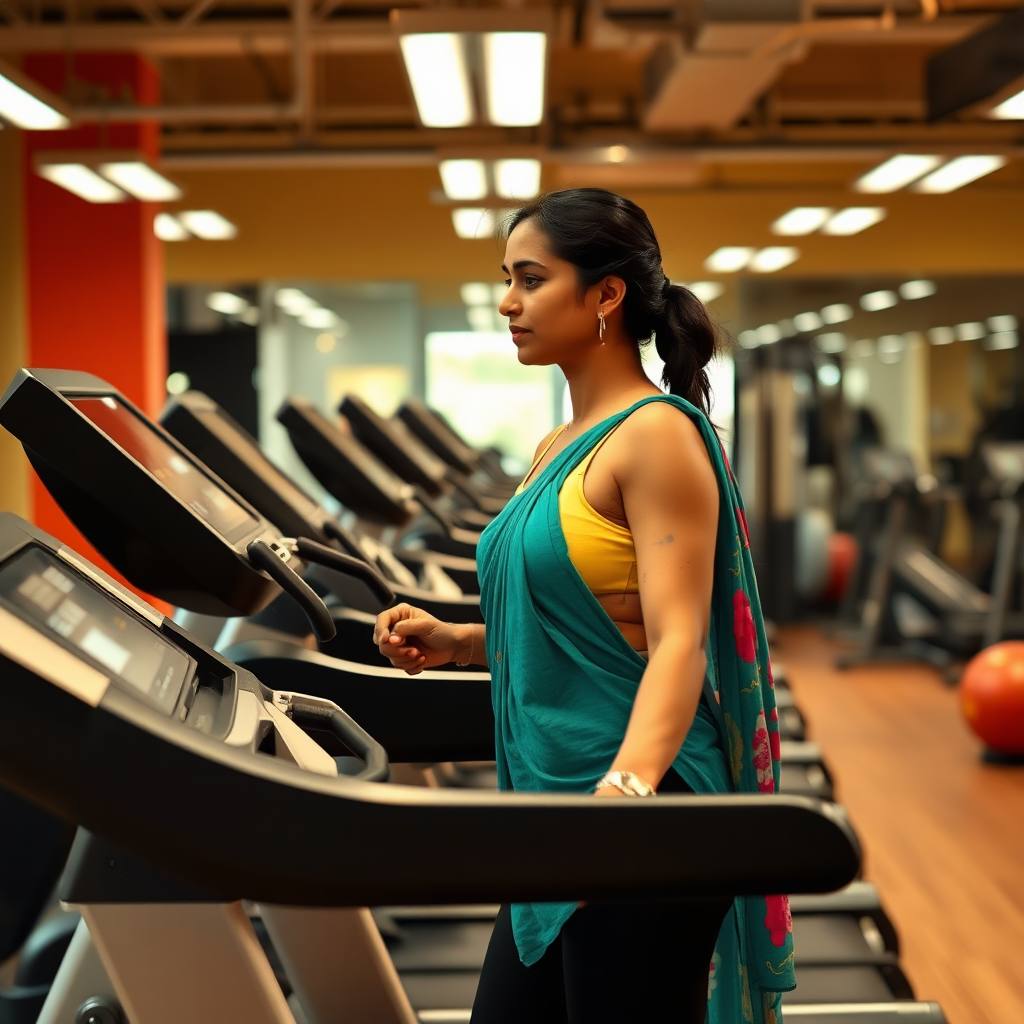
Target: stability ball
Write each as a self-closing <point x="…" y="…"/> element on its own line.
<point x="992" y="696"/>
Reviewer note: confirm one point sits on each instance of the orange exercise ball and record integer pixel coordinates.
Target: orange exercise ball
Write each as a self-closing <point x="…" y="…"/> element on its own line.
<point x="992" y="696"/>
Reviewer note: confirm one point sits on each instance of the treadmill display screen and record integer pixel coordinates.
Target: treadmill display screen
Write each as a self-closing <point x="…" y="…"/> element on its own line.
<point x="175" y="472"/>
<point x="79" y="615"/>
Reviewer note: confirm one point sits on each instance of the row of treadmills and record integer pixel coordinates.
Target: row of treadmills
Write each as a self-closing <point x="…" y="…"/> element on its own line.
<point x="218" y="798"/>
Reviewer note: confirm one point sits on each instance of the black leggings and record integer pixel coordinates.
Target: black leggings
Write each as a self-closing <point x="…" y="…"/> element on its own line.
<point x="614" y="963"/>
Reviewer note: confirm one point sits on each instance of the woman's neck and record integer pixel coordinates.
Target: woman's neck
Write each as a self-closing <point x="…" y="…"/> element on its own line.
<point x="611" y="378"/>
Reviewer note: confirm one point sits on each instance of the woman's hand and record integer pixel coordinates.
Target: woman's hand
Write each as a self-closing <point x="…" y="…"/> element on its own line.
<point x="413" y="640"/>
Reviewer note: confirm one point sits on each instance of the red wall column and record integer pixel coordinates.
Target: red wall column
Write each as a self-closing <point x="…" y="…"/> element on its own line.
<point x="94" y="272"/>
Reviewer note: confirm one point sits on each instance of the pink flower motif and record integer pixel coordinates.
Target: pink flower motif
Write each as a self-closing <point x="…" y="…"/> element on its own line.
<point x="741" y="516"/>
<point x="763" y="756"/>
<point x="743" y="627"/>
<point x="778" y="919"/>
<point x="773" y="736"/>
<point x="771" y="677"/>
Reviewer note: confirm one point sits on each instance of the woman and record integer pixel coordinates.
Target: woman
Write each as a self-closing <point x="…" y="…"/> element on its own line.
<point x="623" y="634"/>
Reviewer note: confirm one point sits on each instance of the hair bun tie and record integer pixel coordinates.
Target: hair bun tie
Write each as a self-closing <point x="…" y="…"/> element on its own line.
<point x="666" y="287"/>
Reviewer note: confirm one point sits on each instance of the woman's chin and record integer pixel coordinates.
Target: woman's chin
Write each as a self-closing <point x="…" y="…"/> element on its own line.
<point x="530" y="355"/>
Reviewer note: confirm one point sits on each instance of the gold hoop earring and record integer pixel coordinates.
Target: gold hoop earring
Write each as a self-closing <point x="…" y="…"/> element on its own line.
<point x="600" y="325"/>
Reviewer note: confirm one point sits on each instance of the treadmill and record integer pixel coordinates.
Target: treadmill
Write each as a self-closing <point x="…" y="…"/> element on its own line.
<point x="96" y="448"/>
<point x="195" y="787"/>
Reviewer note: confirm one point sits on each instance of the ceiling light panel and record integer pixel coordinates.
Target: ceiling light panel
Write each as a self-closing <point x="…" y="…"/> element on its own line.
<point x="942" y="335"/>
<point x="514" y="68"/>
<point x="473" y="222"/>
<point x="318" y="318"/>
<point x="801" y="220"/>
<point x="775" y="257"/>
<point x="168" y="228"/>
<point x="517" y="179"/>
<point x="138" y="179"/>
<point x="20" y="107"/>
<point x="972" y="331"/>
<point x="464" y="179"/>
<point x="227" y="303"/>
<point x="294" y="301"/>
<point x="1009" y="110"/>
<point x="768" y="334"/>
<point x="837" y="313"/>
<point x="729" y="258"/>
<point x="83" y="182"/>
<point x="997" y="324"/>
<point x="477" y="293"/>
<point x="853" y="220"/>
<point x="959" y="172"/>
<point x="897" y="172"/>
<point x="706" y="291"/>
<point x="208" y="224"/>
<point x="807" y="322"/>
<point x="832" y="343"/>
<point x="436" y="64"/>
<point x="875" y="301"/>
<point x="1001" y="341"/>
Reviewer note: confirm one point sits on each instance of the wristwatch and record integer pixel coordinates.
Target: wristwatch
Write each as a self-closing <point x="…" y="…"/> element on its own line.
<point x="627" y="784"/>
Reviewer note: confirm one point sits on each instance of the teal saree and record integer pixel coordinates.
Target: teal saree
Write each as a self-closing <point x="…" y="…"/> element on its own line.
<point x="564" y="679"/>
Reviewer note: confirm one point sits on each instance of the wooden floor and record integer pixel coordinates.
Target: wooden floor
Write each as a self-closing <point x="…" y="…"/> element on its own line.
<point x="943" y="833"/>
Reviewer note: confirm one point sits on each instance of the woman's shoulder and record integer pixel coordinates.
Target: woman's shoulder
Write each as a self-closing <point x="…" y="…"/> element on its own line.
<point x="662" y="426"/>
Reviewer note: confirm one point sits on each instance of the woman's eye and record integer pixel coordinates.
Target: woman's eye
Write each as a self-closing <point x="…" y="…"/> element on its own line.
<point x="531" y="281"/>
<point x="508" y="284"/>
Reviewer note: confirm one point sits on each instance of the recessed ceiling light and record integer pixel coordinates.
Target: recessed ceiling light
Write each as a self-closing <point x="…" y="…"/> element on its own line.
<point x="318" y="318"/>
<point x="942" y="336"/>
<point x="476" y="293"/>
<point x="959" y="172"/>
<point x="917" y="289"/>
<point x="83" y="182"/>
<point x="832" y="343"/>
<point x="774" y="257"/>
<point x="1000" y="341"/>
<point x="768" y="334"/>
<point x="748" y="339"/>
<point x="464" y="179"/>
<point x="706" y="291"/>
<point x="515" y="64"/>
<point x="853" y="220"/>
<point x="294" y="301"/>
<point x="227" y="303"/>
<point x="1009" y="110"/>
<point x="891" y="347"/>
<point x="801" y="220"/>
<point x="436" y="64"/>
<point x="897" y="172"/>
<point x="473" y="222"/>
<point x="138" y="179"/>
<point x="21" y="103"/>
<point x="969" y="331"/>
<point x="837" y="313"/>
<point x="208" y="224"/>
<point x="807" y="322"/>
<point x="729" y="258"/>
<point x="168" y="228"/>
<point x="517" y="179"/>
<point x="1007" y="322"/>
<point x="617" y="154"/>
<point x="875" y="301"/>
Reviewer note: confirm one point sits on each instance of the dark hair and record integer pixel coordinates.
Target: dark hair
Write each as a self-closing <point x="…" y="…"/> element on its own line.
<point x="603" y="234"/>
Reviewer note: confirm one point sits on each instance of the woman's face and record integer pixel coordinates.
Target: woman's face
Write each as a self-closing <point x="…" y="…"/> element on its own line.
<point x="549" y="324"/>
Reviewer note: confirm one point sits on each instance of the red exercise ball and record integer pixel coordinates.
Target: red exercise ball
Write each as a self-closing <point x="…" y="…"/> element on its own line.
<point x="992" y="696"/>
<point x="842" y="557"/>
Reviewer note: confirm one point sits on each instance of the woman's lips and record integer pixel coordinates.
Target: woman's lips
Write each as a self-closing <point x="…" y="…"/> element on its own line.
<point x="517" y="333"/>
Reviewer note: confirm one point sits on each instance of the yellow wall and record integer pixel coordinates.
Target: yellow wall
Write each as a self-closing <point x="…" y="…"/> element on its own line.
<point x="379" y="224"/>
<point x="14" y="489"/>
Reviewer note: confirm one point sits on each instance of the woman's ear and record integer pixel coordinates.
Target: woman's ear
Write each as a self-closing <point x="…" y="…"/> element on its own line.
<point x="610" y="294"/>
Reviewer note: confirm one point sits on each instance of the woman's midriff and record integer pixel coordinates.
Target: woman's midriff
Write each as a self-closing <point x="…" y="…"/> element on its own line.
<point x="624" y="610"/>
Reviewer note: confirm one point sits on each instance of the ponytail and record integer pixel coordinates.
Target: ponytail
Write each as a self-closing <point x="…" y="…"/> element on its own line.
<point x="685" y="339"/>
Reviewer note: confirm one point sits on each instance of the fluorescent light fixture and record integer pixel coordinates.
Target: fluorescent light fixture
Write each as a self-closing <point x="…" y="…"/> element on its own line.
<point x="998" y="324"/>
<point x="833" y="343"/>
<point x="1000" y="341"/>
<point x="807" y="322"/>
<point x="20" y="103"/>
<point x="959" y="172"/>
<point x="517" y="179"/>
<point x="801" y="220"/>
<point x="768" y="334"/>
<point x="969" y="331"/>
<point x="706" y="291"/>
<point x="168" y="228"/>
<point x="138" y="179"/>
<point x="942" y="335"/>
<point x="480" y="318"/>
<point x="911" y="290"/>
<point x="473" y="222"/>
<point x="775" y="257"/>
<point x="875" y="301"/>
<point x="897" y="172"/>
<point x="1009" y="110"/>
<point x="476" y="294"/>
<point x="464" y="179"/>
<point x="829" y="375"/>
<point x="208" y="224"/>
<point x="853" y="220"/>
<point x="318" y="318"/>
<point x="83" y="182"/>
<point x="514" y="68"/>
<point x="436" y="64"/>
<point x="748" y="339"/>
<point x="729" y="258"/>
<point x="837" y="313"/>
<point x="294" y="301"/>
<point x="227" y="303"/>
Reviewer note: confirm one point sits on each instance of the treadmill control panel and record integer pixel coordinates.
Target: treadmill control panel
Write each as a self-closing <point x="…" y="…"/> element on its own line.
<point x="41" y="588"/>
<point x="174" y="471"/>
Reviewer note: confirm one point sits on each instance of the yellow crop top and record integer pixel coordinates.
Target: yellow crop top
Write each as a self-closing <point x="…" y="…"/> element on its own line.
<point x="601" y="551"/>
